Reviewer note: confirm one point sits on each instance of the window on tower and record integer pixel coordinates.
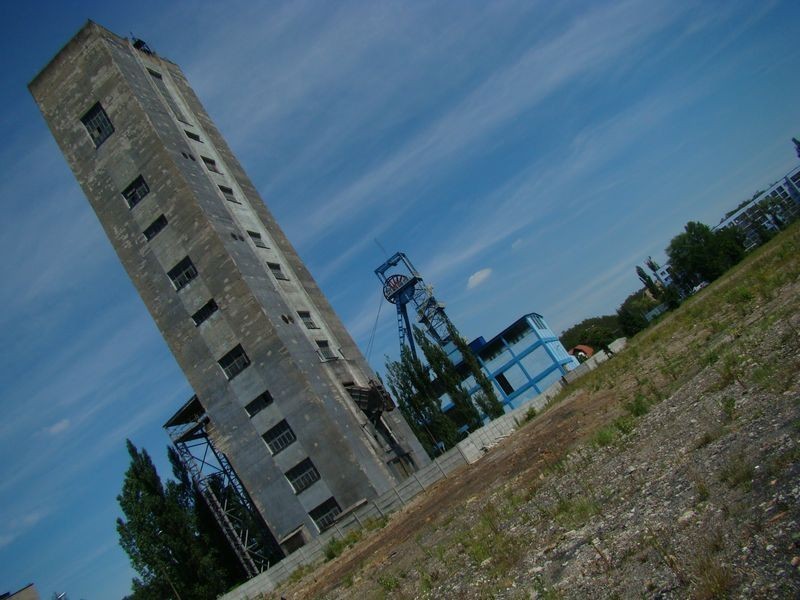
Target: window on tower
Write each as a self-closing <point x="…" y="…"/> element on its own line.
<point x="136" y="191"/>
<point x="302" y="476"/>
<point x="258" y="404"/>
<point x="211" y="164"/>
<point x="279" y="437"/>
<point x="325" y="350"/>
<point x="325" y="514"/>
<point x="155" y="227"/>
<point x="228" y="193"/>
<point x="182" y="273"/>
<point x="97" y="124"/>
<point x="208" y="309"/>
<point x="234" y="362"/>
<point x="305" y="316"/>
<point x="257" y="240"/>
<point x="277" y="271"/>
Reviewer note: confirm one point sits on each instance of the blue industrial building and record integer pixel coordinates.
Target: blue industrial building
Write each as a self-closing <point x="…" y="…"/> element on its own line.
<point x="522" y="361"/>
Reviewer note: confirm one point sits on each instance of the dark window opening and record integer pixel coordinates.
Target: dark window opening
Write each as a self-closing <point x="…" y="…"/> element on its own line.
<point x="210" y="163"/>
<point x="182" y="273"/>
<point x="236" y="236"/>
<point x="136" y="191"/>
<point x="325" y="350"/>
<point x="256" y="237"/>
<point x="305" y="316"/>
<point x="155" y="227"/>
<point x="325" y="514"/>
<point x="188" y="156"/>
<point x="193" y="136"/>
<point x="228" y="193"/>
<point x="302" y="476"/>
<point x="504" y="384"/>
<point x="208" y="309"/>
<point x="234" y="362"/>
<point x="258" y="404"/>
<point x="97" y="124"/>
<point x="279" y="437"/>
<point x="277" y="271"/>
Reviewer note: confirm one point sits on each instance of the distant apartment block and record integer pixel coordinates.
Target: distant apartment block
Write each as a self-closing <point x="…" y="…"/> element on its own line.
<point x="768" y="212"/>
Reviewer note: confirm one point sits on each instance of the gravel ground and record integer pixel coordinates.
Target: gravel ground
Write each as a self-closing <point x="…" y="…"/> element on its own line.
<point x="670" y="472"/>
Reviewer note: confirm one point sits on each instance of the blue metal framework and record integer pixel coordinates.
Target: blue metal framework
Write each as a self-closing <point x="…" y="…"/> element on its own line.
<point x="403" y="285"/>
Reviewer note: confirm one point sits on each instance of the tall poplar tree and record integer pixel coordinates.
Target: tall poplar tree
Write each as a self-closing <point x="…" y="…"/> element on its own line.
<point x="161" y="536"/>
<point x="448" y="382"/>
<point x="411" y="385"/>
<point x="487" y="399"/>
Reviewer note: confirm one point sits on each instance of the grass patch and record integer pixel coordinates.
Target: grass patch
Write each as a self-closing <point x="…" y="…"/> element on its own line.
<point x="728" y="406"/>
<point x="604" y="436"/>
<point x="708" y="437"/>
<point x="299" y="573"/>
<point x="574" y="512"/>
<point x="338" y="545"/>
<point x="738" y="472"/>
<point x="388" y="582"/>
<point x="637" y="407"/>
<point x="710" y="577"/>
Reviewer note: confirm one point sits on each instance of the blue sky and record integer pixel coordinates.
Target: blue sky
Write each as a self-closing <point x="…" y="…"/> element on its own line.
<point x="526" y="155"/>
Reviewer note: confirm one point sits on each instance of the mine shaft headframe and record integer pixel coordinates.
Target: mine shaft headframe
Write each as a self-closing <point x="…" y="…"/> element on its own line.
<point x="403" y="285"/>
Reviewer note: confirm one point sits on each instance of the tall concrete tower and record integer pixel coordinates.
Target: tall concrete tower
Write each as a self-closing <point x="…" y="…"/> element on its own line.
<point x="282" y="392"/>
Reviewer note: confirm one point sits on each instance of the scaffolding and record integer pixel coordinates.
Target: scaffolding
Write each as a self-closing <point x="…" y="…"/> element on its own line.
<point x="220" y="487"/>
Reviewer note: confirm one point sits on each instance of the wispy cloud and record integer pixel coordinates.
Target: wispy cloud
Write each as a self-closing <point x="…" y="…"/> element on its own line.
<point x="58" y="427"/>
<point x="478" y="277"/>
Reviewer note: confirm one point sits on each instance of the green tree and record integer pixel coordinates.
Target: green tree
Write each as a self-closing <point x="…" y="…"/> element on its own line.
<point x="648" y="282"/>
<point x="631" y="312"/>
<point x="700" y="254"/>
<point x="596" y="332"/>
<point x="410" y="383"/>
<point x="161" y="536"/>
<point x="486" y="399"/>
<point x="448" y="381"/>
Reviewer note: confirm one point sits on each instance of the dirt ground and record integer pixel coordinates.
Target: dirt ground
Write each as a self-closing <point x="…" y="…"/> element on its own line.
<point x="671" y="471"/>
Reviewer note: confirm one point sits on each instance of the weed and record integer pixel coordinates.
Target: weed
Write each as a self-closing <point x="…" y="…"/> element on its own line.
<point x="624" y="424"/>
<point x="710" y="577"/>
<point x="299" y="573"/>
<point x="388" y="582"/>
<point x="711" y="357"/>
<point x="373" y="524"/>
<point x="637" y="407"/>
<point x="738" y="472"/>
<point x="338" y="545"/>
<point x="708" y="437"/>
<point x="573" y="513"/>
<point x="530" y="414"/>
<point x="668" y="558"/>
<point x="701" y="489"/>
<point x="728" y="406"/>
<point x="604" y="436"/>
<point x="739" y="295"/>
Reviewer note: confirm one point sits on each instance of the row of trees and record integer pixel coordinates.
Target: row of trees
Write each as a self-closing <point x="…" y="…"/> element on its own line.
<point x="697" y="255"/>
<point x="418" y="387"/>
<point x="170" y="535"/>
